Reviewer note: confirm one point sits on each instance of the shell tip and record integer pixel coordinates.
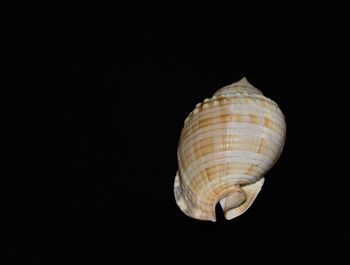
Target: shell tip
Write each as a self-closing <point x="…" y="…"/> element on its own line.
<point x="244" y="80"/>
<point x="238" y="87"/>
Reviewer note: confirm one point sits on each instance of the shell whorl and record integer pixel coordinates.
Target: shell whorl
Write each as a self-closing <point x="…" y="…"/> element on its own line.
<point x="242" y="86"/>
<point x="226" y="146"/>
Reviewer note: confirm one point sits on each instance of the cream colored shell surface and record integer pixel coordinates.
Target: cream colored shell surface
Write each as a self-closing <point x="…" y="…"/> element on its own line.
<point x="226" y="146"/>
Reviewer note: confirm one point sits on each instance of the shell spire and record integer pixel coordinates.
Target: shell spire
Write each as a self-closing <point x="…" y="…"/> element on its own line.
<point x="238" y="87"/>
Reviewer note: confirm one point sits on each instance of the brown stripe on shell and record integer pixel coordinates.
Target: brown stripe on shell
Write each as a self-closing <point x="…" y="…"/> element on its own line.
<point x="230" y="139"/>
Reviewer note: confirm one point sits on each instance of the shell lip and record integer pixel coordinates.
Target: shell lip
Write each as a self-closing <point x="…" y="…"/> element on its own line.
<point x="183" y="204"/>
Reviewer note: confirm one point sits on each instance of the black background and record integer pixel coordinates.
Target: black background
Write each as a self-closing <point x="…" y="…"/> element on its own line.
<point x="122" y="84"/>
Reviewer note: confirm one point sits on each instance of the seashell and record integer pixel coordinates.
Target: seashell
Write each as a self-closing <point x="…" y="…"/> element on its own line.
<point x="226" y="146"/>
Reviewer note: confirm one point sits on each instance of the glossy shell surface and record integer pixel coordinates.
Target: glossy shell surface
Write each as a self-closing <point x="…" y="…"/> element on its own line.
<point x="226" y="146"/>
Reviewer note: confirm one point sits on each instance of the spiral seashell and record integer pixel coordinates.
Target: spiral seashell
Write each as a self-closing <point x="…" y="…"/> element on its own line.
<point x="226" y="146"/>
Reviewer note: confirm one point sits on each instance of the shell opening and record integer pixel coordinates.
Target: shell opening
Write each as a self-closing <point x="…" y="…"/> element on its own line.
<point x="234" y="203"/>
<point x="233" y="200"/>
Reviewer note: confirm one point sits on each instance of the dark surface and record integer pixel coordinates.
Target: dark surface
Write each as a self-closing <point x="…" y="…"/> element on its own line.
<point x="124" y="86"/>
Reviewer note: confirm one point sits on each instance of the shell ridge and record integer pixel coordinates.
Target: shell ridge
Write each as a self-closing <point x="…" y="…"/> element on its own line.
<point x="227" y="144"/>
